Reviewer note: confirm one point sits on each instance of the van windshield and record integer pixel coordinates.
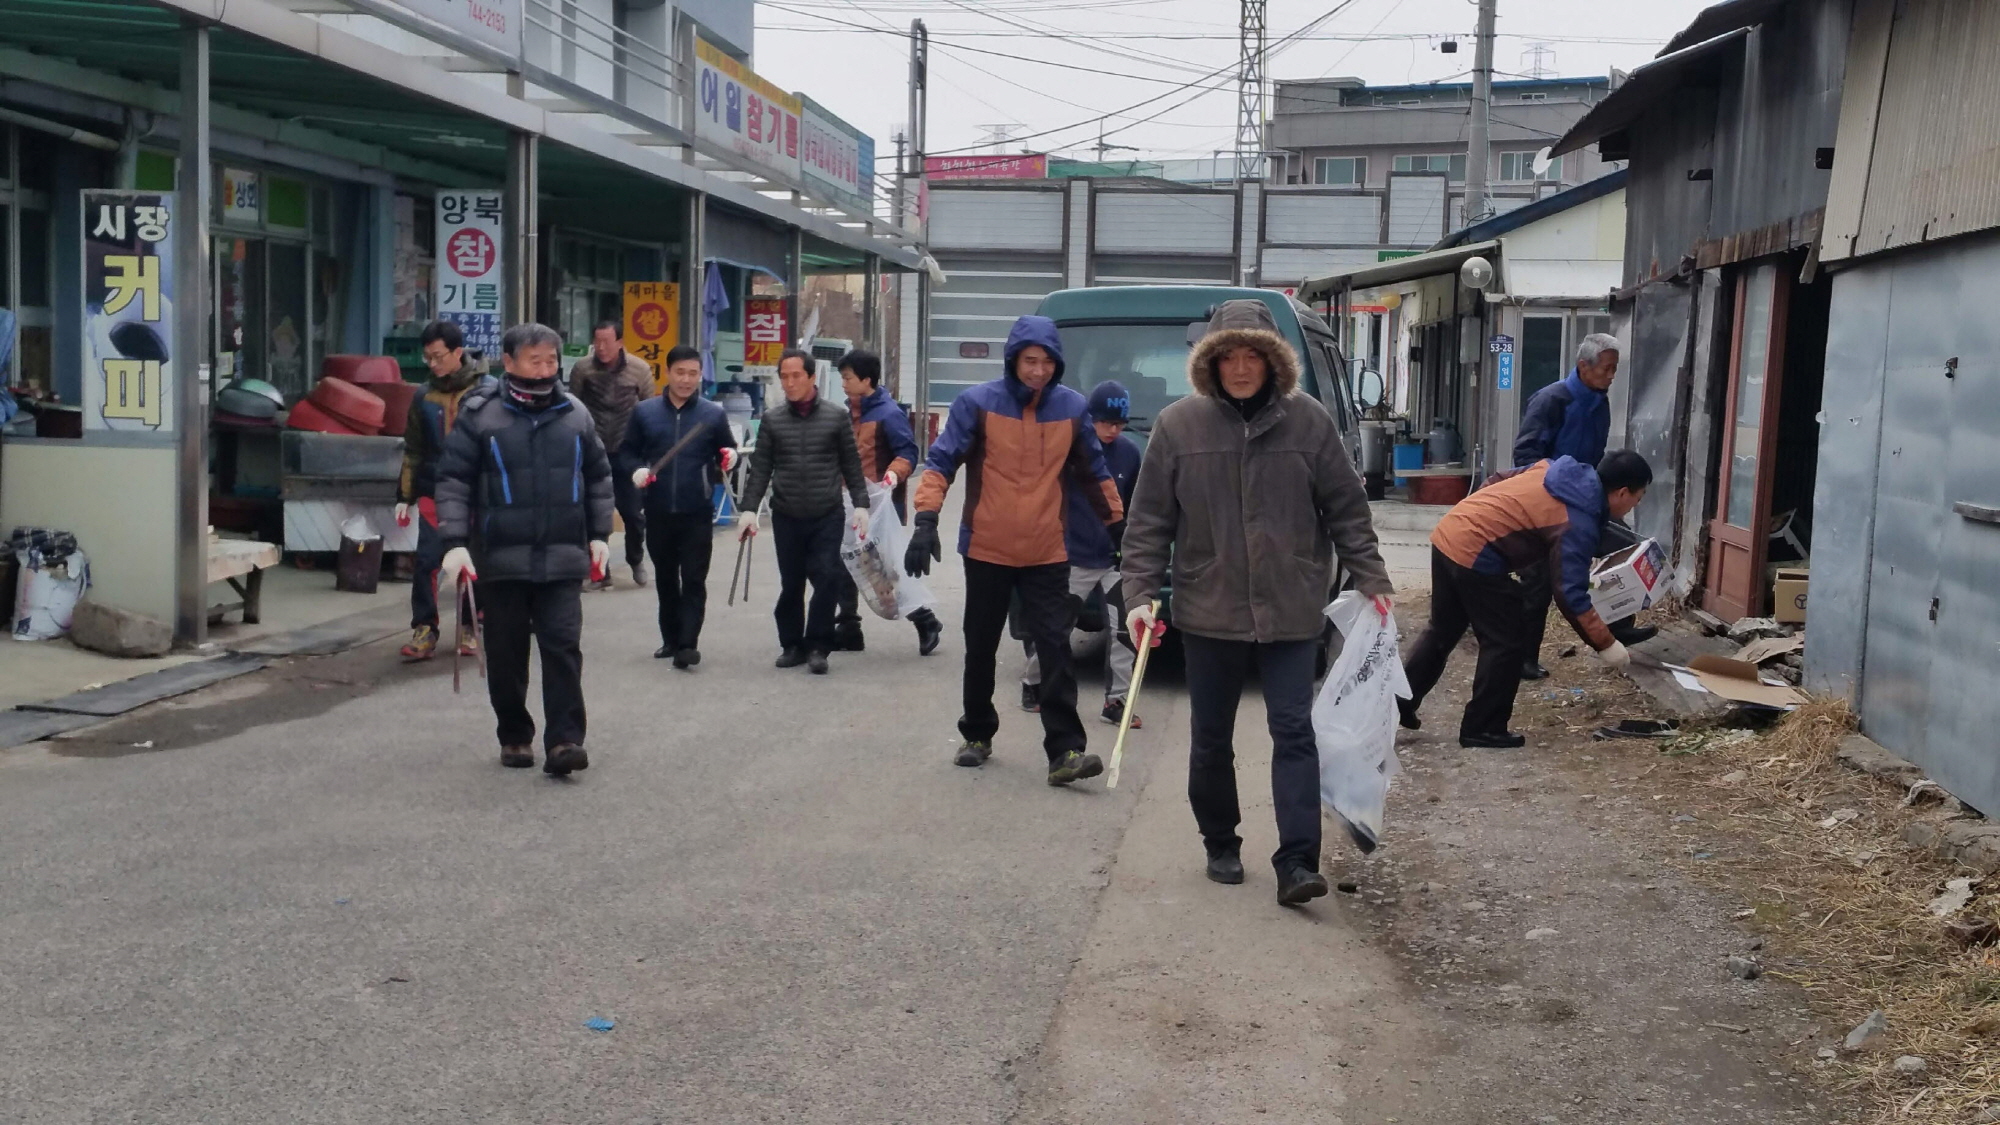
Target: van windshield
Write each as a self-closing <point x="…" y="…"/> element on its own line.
<point x="1149" y="359"/>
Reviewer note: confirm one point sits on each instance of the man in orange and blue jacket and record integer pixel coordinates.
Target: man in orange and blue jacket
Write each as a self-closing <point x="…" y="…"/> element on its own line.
<point x="1020" y="438"/>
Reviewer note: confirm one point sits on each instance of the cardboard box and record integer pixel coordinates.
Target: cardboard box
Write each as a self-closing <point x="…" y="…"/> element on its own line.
<point x="1628" y="581"/>
<point x="1788" y="594"/>
<point x="1739" y="680"/>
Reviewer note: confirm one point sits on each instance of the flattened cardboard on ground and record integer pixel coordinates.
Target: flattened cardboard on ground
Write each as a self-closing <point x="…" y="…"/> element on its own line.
<point x="1737" y="680"/>
<point x="1758" y="651"/>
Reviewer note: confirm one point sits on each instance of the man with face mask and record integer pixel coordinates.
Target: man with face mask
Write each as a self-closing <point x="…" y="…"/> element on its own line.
<point x="524" y="507"/>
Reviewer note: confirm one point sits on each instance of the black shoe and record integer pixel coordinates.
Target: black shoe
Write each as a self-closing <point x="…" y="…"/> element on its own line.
<point x="1074" y="766"/>
<point x="791" y="658"/>
<point x="848" y="638"/>
<point x="1031" y="697"/>
<point x="1505" y="740"/>
<point x="1297" y="886"/>
<point x="1226" y="868"/>
<point x="973" y="753"/>
<point x="663" y="652"/>
<point x="816" y="663"/>
<point x="564" y="759"/>
<point x="1406" y="714"/>
<point x="1533" y="670"/>
<point x="930" y="631"/>
<point x="687" y="658"/>
<point x="517" y="757"/>
<point x="1629" y="635"/>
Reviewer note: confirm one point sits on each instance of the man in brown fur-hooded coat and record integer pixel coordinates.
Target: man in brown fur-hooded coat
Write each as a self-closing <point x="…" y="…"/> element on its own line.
<point x="1247" y="489"/>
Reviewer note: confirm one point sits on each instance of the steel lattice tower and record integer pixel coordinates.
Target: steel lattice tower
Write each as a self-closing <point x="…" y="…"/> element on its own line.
<point x="1250" y="77"/>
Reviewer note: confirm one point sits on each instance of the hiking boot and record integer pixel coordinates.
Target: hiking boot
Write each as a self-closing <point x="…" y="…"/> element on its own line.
<point x="816" y="662"/>
<point x="639" y="574"/>
<point x="1226" y="867"/>
<point x="1074" y="766"/>
<point x="930" y="631"/>
<point x="1502" y="740"/>
<point x="687" y="658"/>
<point x="423" y="643"/>
<point x="604" y="583"/>
<point x="973" y="752"/>
<point x="848" y="638"/>
<point x="1533" y="670"/>
<point x="1297" y="886"/>
<point x="1406" y="715"/>
<point x="1114" y="713"/>
<point x="791" y="658"/>
<point x="564" y="759"/>
<point x="1031" y="697"/>
<point x="517" y="757"/>
<point x="468" y="645"/>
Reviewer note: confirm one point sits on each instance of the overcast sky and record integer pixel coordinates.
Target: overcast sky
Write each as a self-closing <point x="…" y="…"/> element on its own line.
<point x="1043" y="65"/>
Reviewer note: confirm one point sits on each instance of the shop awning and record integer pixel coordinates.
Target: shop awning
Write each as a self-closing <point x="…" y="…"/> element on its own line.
<point x="1399" y="269"/>
<point x="1646" y="86"/>
<point x="1720" y="19"/>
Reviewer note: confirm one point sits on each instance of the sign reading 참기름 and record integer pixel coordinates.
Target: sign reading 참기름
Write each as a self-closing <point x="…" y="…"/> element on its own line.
<point x="743" y="113"/>
<point x="128" y="311"/>
<point x="471" y="283"/>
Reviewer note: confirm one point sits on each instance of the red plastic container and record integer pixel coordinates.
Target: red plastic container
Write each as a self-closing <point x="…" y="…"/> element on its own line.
<point x="396" y="399"/>
<point x="361" y="369"/>
<point x="306" y="416"/>
<point x="338" y="396"/>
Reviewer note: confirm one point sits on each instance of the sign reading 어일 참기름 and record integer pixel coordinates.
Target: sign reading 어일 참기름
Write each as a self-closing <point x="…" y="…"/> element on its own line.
<point x="128" y="311"/>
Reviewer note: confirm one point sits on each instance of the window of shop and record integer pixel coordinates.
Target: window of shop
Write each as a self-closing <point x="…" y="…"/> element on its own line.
<point x="27" y="169"/>
<point x="277" y="282"/>
<point x="590" y="285"/>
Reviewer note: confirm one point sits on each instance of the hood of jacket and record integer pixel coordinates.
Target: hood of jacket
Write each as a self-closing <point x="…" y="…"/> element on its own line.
<point x="459" y="380"/>
<point x="1575" y="484"/>
<point x="1238" y="324"/>
<point x="1032" y="331"/>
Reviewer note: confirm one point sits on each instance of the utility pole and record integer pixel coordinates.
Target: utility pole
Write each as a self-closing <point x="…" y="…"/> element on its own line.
<point x="914" y="306"/>
<point x="1250" y="74"/>
<point x="1480" y="151"/>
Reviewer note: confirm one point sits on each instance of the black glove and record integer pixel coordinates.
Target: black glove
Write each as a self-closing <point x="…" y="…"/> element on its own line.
<point x="924" y="545"/>
<point x="1117" y="531"/>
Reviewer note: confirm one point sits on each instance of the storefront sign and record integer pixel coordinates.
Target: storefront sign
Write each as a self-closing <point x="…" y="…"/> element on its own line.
<point x="743" y="113"/>
<point x="836" y="158"/>
<point x="764" y="334"/>
<point x="653" y="323"/>
<point x="1024" y="167"/>
<point x="494" y="23"/>
<point x="242" y="201"/>
<point x="470" y="277"/>
<point x="1504" y="362"/>
<point x="128" y="311"/>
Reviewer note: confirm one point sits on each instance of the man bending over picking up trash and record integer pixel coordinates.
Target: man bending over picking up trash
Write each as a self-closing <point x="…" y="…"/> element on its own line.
<point x="1246" y="482"/>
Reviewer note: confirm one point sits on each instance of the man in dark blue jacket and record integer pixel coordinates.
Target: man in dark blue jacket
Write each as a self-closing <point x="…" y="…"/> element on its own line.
<point x="1569" y="418"/>
<point x="680" y="496"/>
<point x="1093" y="554"/>
<point x="888" y="451"/>
<point x="524" y="508"/>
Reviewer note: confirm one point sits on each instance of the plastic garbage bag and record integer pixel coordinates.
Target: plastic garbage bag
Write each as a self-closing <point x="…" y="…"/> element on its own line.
<point x="45" y="600"/>
<point x="876" y="565"/>
<point x="358" y="529"/>
<point x="1354" y="718"/>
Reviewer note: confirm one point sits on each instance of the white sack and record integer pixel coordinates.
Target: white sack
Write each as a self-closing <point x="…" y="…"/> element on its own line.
<point x="1354" y="718"/>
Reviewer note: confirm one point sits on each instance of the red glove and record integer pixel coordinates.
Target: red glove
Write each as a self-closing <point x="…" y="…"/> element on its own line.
<point x="1383" y="605"/>
<point x="728" y="459"/>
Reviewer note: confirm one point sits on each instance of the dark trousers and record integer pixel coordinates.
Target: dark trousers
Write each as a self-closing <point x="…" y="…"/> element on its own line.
<point x="1539" y="586"/>
<point x="551" y="613"/>
<point x="1216" y="671"/>
<point x="1492" y="605"/>
<point x="808" y="549"/>
<point x="681" y="544"/>
<point x="1047" y="615"/>
<point x="424" y="582"/>
<point x="631" y="506"/>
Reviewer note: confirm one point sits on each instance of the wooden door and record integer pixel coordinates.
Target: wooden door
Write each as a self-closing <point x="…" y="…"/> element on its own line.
<point x="1738" y="527"/>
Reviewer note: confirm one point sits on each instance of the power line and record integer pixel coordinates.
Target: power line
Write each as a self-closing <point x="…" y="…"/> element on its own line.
<point x="1330" y="37"/>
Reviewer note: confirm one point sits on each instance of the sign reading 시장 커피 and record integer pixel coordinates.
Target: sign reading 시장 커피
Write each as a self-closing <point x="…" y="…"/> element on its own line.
<point x="128" y="315"/>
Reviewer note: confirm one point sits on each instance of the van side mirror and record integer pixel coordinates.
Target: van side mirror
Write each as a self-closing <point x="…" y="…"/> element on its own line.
<point x="1369" y="389"/>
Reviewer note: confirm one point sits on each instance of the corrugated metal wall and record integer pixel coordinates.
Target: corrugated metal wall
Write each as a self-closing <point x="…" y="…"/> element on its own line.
<point x="1651" y="372"/>
<point x="1416" y="209"/>
<point x="1291" y="265"/>
<point x="966" y="219"/>
<point x="976" y="307"/>
<point x="1166" y="222"/>
<point x="1322" y="220"/>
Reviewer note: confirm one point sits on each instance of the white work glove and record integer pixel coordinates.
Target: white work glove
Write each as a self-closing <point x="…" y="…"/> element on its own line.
<point x="1140" y="622"/>
<point x="858" y="520"/>
<point x="402" y="515"/>
<point x="642" y="477"/>
<point x="600" y="556"/>
<point x="1384" y="605"/>
<point x="728" y="459"/>
<point x="1616" y="656"/>
<point x="749" y="522"/>
<point x="889" y="481"/>
<point x="457" y="566"/>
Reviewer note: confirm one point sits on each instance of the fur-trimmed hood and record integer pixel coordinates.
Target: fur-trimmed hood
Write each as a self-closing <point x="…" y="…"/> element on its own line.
<point x="1238" y="324"/>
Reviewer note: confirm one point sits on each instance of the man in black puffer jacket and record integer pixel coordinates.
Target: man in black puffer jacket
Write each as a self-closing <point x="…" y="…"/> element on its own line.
<point x="524" y="507"/>
<point x="805" y="454"/>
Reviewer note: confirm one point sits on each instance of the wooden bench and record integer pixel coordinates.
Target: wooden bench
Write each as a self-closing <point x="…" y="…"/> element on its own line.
<point x="241" y="563"/>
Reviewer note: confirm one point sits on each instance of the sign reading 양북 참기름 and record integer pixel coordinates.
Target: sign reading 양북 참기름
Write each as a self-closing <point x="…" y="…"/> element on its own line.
<point x="128" y="313"/>
<point x="743" y="113"/>
<point x="471" y="284"/>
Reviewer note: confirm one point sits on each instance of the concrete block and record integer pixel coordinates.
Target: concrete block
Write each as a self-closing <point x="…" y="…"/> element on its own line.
<point x="1864" y="754"/>
<point x="118" y="632"/>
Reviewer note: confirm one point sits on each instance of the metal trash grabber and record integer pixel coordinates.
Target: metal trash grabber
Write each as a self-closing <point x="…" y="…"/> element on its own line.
<point x="468" y="608"/>
<point x="1131" y="701"/>
<point x="737" y="571"/>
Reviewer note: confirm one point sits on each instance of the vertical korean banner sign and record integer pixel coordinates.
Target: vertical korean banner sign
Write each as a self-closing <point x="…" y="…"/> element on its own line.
<point x="128" y="311"/>
<point x="469" y="266"/>
<point x="764" y="334"/>
<point x="653" y="323"/>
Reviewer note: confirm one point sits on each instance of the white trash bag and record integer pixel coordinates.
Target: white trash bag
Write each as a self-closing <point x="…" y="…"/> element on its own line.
<point x="1354" y="718"/>
<point x="45" y="601"/>
<point x="877" y="564"/>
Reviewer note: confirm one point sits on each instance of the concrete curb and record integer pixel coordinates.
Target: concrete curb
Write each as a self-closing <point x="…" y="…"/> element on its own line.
<point x="1970" y="842"/>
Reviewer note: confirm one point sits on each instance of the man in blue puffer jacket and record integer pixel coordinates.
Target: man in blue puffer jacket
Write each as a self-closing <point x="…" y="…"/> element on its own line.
<point x="680" y="497"/>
